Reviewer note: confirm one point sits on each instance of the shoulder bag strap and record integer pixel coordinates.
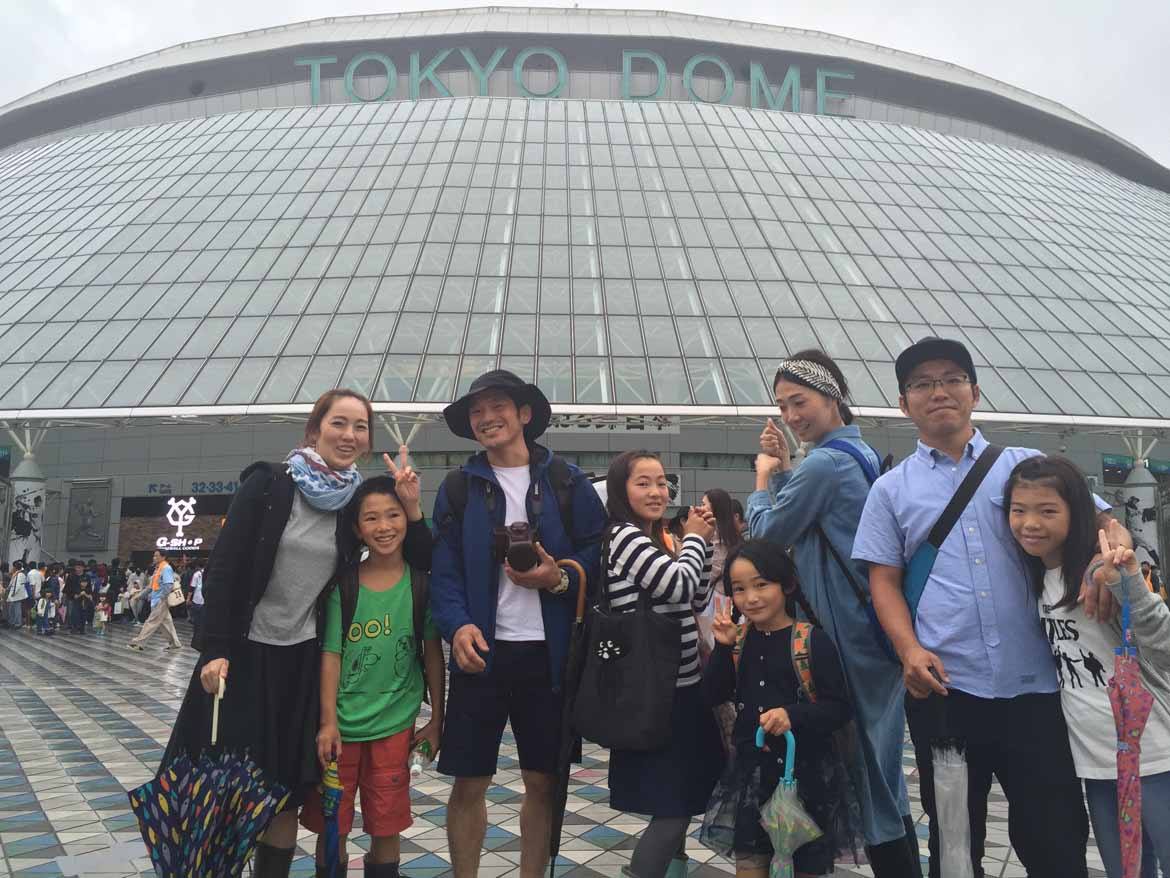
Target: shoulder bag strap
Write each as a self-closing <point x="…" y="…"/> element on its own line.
<point x="867" y="468"/>
<point x="849" y="573"/>
<point x="871" y="476"/>
<point x="802" y="658"/>
<point x="603" y="598"/>
<point x="963" y="495"/>
<point x="917" y="571"/>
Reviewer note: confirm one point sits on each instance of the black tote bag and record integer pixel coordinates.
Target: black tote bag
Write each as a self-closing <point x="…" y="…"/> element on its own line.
<point x="631" y="667"/>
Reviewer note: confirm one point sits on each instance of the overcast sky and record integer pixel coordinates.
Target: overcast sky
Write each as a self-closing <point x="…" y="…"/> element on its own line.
<point x="1106" y="59"/>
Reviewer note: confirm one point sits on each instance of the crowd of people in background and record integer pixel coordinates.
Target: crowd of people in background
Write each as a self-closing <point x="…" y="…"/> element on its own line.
<point x="810" y="613"/>
<point x="84" y="596"/>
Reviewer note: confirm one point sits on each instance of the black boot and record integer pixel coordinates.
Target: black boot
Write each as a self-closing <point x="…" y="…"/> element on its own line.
<point x="891" y="859"/>
<point x="271" y="862"/>
<point x="379" y="870"/>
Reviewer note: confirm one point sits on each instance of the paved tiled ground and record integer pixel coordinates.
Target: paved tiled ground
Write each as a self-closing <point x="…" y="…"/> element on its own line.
<point x="83" y="719"/>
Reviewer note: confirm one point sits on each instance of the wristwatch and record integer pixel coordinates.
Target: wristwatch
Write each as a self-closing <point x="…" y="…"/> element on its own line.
<point x="562" y="586"/>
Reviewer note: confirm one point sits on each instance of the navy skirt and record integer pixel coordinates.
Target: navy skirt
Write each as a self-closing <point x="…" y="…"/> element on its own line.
<point x="677" y="780"/>
<point x="270" y="711"/>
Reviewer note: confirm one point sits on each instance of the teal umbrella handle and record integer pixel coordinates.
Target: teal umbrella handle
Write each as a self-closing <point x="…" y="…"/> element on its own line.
<point x="789" y="753"/>
<point x="789" y="757"/>
<point x="1127" y="648"/>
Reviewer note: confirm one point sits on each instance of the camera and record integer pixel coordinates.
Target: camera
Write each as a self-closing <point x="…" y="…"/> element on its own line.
<point x="516" y="545"/>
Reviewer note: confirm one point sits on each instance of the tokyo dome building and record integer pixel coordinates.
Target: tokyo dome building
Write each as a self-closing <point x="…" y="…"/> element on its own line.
<point x="641" y="211"/>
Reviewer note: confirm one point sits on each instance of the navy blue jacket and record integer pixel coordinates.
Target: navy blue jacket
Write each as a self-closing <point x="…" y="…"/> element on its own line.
<point x="465" y="579"/>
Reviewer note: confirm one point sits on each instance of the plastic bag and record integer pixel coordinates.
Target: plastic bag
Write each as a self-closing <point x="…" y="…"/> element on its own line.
<point x="954" y="823"/>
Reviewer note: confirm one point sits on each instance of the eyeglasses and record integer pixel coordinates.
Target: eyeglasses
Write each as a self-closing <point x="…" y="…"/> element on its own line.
<point x="950" y="384"/>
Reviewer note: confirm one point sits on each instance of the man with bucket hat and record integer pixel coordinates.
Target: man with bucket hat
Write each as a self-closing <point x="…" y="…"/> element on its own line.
<point x="953" y="594"/>
<point x="504" y="599"/>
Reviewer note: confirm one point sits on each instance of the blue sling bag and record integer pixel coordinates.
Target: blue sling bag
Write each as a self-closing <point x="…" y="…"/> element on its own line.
<point x="918" y="569"/>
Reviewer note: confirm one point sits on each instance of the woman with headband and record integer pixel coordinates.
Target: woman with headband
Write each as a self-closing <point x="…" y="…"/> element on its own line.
<point x="814" y="508"/>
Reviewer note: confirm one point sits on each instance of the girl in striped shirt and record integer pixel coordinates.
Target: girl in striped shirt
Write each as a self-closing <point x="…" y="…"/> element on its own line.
<point x="673" y="783"/>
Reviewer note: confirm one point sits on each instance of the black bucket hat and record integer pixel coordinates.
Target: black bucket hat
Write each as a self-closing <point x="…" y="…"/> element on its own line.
<point x="933" y="348"/>
<point x="457" y="413"/>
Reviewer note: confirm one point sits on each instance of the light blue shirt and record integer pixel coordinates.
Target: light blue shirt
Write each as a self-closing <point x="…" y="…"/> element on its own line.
<point x="166" y="582"/>
<point x="978" y="612"/>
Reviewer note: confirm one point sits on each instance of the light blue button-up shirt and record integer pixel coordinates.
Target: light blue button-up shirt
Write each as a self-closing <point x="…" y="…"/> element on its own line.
<point x="978" y="612"/>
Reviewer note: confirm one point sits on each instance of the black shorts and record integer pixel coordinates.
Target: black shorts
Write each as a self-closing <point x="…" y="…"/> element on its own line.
<point x="517" y="687"/>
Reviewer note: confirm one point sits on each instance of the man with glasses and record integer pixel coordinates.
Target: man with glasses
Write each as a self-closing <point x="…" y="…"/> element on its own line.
<point x="975" y="658"/>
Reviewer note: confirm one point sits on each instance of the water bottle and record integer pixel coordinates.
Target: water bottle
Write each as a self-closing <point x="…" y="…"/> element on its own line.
<point x="420" y="758"/>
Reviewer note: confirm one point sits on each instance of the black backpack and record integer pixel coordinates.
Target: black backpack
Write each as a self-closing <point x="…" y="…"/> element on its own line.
<point x="455" y="483"/>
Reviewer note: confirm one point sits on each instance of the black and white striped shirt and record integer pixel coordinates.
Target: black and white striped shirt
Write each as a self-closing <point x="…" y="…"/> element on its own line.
<point x="679" y="587"/>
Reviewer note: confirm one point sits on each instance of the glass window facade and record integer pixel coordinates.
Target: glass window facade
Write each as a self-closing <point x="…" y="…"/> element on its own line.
<point x="618" y="253"/>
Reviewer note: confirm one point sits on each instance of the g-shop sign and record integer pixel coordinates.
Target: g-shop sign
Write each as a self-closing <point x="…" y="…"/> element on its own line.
<point x="154" y="522"/>
<point x="784" y="94"/>
<point x="180" y="514"/>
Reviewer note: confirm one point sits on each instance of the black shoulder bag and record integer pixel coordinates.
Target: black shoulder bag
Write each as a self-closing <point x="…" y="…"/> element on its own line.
<point x="631" y="667"/>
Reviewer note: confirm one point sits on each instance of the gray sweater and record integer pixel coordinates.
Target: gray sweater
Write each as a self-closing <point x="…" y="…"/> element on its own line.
<point x="1149" y="619"/>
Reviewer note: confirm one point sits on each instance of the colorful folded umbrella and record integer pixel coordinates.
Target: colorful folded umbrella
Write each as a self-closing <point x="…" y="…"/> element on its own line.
<point x="1131" y="702"/>
<point x="330" y="806"/>
<point x="200" y="819"/>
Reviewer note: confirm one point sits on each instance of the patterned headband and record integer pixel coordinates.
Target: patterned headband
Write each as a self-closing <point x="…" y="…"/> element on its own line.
<point x="813" y="375"/>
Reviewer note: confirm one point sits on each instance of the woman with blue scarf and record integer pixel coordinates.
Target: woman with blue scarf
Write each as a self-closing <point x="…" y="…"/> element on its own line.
<point x="263" y="608"/>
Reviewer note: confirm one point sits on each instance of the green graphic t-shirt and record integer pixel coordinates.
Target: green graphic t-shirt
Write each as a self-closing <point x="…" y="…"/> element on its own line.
<point x="381" y="686"/>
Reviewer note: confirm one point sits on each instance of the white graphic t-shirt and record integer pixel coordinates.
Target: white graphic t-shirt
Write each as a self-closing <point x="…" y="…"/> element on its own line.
<point x="1083" y="650"/>
<point x="517" y="608"/>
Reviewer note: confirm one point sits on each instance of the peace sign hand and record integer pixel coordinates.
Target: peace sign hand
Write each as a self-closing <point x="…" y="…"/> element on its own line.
<point x="406" y="483"/>
<point x="724" y="630"/>
<point x="1114" y="556"/>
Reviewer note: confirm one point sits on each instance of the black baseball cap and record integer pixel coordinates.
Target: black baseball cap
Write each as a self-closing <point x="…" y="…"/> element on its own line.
<point x="933" y="348"/>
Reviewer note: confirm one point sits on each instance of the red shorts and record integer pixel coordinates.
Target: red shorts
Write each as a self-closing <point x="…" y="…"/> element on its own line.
<point x="379" y="769"/>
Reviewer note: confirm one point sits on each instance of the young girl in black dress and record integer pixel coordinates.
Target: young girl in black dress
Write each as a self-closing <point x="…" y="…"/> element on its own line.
<point x="766" y="684"/>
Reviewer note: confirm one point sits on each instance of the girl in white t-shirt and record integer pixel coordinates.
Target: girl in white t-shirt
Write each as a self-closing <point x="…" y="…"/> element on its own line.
<point x="1053" y="518"/>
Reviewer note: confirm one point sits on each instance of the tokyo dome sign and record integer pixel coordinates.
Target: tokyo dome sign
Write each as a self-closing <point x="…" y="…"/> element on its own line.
<point x="775" y="90"/>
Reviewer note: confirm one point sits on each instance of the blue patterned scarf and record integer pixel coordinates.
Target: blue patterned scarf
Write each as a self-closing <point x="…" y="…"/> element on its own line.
<point x="325" y="489"/>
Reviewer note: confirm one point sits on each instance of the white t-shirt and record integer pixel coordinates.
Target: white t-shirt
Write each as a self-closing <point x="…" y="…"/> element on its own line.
<point x="36" y="581"/>
<point x="197" y="588"/>
<point x="517" y="608"/>
<point x="1083" y="650"/>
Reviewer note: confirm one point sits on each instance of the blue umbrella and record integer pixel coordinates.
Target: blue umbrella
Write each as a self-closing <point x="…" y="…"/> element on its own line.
<point x="330" y="805"/>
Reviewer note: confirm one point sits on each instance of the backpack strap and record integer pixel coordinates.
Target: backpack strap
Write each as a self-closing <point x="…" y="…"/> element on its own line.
<point x="561" y="477"/>
<point x="741" y="631"/>
<point x="420" y="592"/>
<point x="802" y="658"/>
<point x="455" y="484"/>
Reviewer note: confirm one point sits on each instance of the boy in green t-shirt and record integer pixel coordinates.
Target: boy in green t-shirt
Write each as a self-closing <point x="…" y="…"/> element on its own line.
<point x="372" y="673"/>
